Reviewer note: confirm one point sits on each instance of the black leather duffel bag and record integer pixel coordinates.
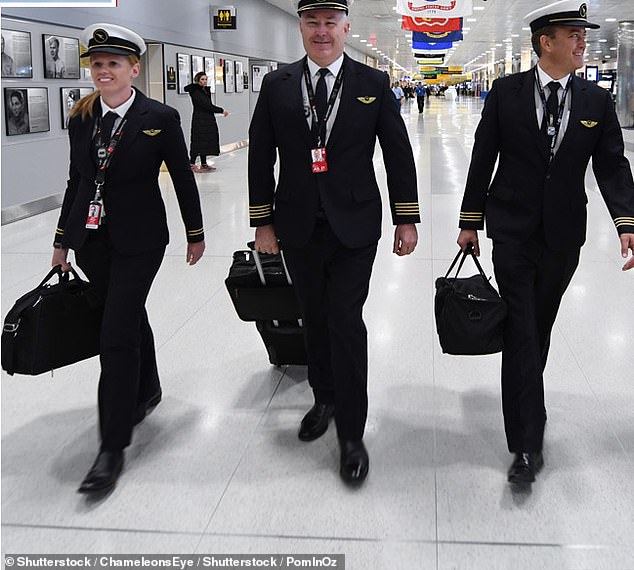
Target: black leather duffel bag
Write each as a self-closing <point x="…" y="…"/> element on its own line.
<point x="470" y="313"/>
<point x="52" y="326"/>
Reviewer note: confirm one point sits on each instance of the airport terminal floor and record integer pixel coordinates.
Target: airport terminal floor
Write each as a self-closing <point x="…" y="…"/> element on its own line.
<point x="218" y="468"/>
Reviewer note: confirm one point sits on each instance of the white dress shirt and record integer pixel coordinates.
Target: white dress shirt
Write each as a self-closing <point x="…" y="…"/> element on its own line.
<point x="334" y="68"/>
<point x="546" y="79"/>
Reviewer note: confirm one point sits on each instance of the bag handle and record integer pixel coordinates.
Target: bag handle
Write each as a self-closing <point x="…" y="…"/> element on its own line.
<point x="62" y="275"/>
<point x="464" y="254"/>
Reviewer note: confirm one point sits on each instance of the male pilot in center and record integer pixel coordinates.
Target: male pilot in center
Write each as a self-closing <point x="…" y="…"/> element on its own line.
<point x="323" y="115"/>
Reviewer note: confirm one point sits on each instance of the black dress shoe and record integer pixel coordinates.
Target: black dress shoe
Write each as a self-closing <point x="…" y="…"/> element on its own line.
<point x="144" y="408"/>
<point x="104" y="473"/>
<point x="525" y="466"/>
<point x="315" y="422"/>
<point x="355" y="462"/>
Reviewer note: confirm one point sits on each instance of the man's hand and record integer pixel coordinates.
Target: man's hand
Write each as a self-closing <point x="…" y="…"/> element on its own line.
<point x="266" y="240"/>
<point x="59" y="258"/>
<point x="405" y="239"/>
<point x="465" y="237"/>
<point x="195" y="252"/>
<point x="627" y="243"/>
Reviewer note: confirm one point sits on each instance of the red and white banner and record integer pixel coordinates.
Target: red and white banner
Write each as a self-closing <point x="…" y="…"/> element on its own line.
<point x="431" y="25"/>
<point x="434" y="8"/>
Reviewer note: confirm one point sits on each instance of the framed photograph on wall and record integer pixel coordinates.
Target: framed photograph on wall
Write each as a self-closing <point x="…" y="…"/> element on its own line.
<point x="26" y="110"/>
<point x="69" y="97"/>
<point x="239" y="77"/>
<point x="183" y="71"/>
<point x="210" y="72"/>
<point x="257" y="75"/>
<point x="61" y="57"/>
<point x="16" y="54"/>
<point x="197" y="65"/>
<point x="229" y="76"/>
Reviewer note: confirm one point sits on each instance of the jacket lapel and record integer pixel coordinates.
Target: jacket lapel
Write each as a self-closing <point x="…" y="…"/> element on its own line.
<point x="292" y="94"/>
<point x="528" y="102"/>
<point x="348" y="88"/>
<point x="578" y="104"/>
<point x="134" y="118"/>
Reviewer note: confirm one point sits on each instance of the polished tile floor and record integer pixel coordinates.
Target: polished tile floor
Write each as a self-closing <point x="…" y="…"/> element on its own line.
<point x="217" y="468"/>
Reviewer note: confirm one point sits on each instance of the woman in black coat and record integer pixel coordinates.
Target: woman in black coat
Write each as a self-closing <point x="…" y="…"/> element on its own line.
<point x="204" y="133"/>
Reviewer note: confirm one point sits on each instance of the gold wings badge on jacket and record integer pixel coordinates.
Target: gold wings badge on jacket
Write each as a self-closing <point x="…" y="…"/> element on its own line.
<point x="152" y="132"/>
<point x="589" y="124"/>
<point x="367" y="100"/>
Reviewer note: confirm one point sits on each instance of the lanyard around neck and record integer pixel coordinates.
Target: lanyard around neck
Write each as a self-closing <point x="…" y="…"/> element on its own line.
<point x="552" y="121"/>
<point x="105" y="150"/>
<point x="331" y="100"/>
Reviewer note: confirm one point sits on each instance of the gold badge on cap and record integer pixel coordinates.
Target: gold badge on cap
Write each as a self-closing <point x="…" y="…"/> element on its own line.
<point x="583" y="10"/>
<point x="366" y="100"/>
<point x="589" y="124"/>
<point x="100" y="36"/>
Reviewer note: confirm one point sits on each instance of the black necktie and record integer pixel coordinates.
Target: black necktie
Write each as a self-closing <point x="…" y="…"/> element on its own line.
<point x="107" y="124"/>
<point x="321" y="101"/>
<point x="552" y="106"/>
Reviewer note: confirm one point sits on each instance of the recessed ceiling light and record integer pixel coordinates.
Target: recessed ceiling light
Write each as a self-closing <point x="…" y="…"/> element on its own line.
<point x="526" y="29"/>
<point x="363" y="41"/>
<point x="607" y="56"/>
<point x="610" y="19"/>
<point x="355" y="35"/>
<point x="465" y="29"/>
<point x="472" y="19"/>
<point x="612" y="49"/>
<point x="478" y="8"/>
<point x="602" y="40"/>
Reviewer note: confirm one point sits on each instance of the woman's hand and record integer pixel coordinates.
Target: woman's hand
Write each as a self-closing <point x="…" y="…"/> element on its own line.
<point x="225" y="113"/>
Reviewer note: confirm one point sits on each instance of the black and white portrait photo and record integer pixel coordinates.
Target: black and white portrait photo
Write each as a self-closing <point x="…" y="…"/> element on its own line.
<point x="16" y="54"/>
<point x="26" y="110"/>
<point x="61" y="57"/>
<point x="69" y="97"/>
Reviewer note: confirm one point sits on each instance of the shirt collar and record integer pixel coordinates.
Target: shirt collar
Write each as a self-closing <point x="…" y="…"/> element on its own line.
<point x="546" y="79"/>
<point x="334" y="67"/>
<point x="122" y="109"/>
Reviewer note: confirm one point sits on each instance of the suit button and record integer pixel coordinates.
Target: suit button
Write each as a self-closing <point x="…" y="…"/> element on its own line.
<point x="547" y="176"/>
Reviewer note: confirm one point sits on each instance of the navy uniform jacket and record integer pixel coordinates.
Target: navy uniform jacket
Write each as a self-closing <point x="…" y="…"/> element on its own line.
<point x="526" y="191"/>
<point x="348" y="192"/>
<point x="135" y="212"/>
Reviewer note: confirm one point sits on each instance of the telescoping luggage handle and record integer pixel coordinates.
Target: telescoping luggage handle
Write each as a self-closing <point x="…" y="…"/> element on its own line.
<point x="258" y="265"/>
<point x="468" y="251"/>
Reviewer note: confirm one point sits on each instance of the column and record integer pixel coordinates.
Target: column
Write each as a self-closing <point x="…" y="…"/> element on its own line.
<point x="625" y="74"/>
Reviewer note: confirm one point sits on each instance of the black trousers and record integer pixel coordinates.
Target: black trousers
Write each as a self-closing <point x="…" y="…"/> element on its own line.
<point x="194" y="155"/>
<point x="129" y="374"/>
<point x="421" y="103"/>
<point x="332" y="283"/>
<point x="532" y="280"/>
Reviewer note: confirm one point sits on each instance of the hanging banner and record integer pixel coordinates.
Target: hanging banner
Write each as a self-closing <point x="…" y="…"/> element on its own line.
<point x="424" y="46"/>
<point x="433" y="37"/>
<point x="434" y="8"/>
<point x="431" y="24"/>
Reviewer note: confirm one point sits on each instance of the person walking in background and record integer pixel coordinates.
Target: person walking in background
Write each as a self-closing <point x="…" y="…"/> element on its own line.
<point x="398" y="92"/>
<point x="114" y="218"/>
<point x="205" y="140"/>
<point x="8" y="65"/>
<point x="323" y="115"/>
<point x="543" y="126"/>
<point x="420" y="96"/>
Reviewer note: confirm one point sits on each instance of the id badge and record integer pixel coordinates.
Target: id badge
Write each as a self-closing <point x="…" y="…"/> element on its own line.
<point x="94" y="215"/>
<point x="551" y="131"/>
<point x="319" y="160"/>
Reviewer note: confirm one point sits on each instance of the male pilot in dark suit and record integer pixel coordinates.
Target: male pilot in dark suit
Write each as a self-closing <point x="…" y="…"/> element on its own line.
<point x="544" y="125"/>
<point x="323" y="115"/>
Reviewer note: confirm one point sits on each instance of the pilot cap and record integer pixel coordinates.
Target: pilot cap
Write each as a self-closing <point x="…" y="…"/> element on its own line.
<point x="110" y="38"/>
<point x="306" y="5"/>
<point x="562" y="13"/>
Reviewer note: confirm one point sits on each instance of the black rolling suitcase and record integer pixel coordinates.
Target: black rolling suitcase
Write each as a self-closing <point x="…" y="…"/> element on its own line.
<point x="261" y="290"/>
